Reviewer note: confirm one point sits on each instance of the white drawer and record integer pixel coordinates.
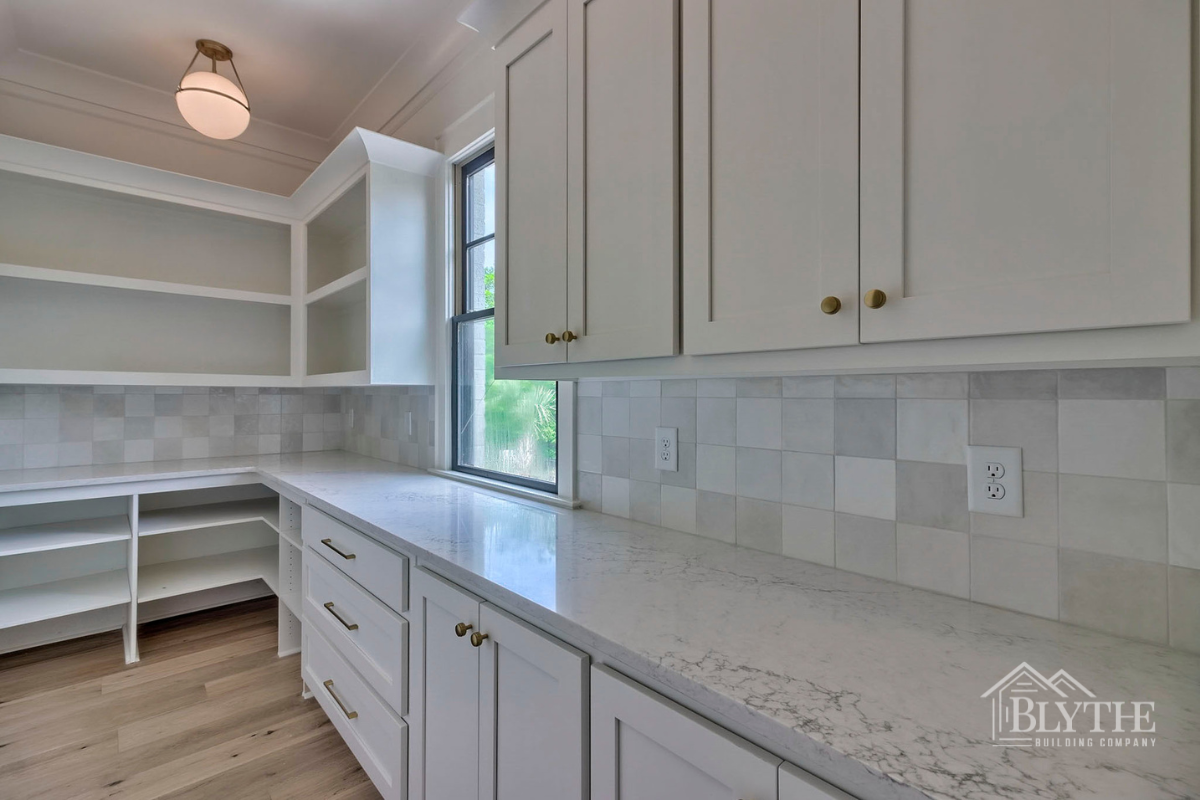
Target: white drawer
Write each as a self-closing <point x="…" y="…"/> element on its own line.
<point x="368" y="634"/>
<point x="382" y="572"/>
<point x="376" y="736"/>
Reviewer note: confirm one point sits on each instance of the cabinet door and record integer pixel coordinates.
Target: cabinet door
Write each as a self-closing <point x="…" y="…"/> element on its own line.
<point x="645" y="747"/>
<point x="531" y="189"/>
<point x="444" y="696"/>
<point x="796" y="784"/>
<point x="622" y="200"/>
<point x="770" y="174"/>
<point x="1025" y="165"/>
<point x="533" y="713"/>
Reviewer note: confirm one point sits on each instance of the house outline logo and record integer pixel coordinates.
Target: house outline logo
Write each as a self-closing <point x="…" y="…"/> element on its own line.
<point x="1025" y="681"/>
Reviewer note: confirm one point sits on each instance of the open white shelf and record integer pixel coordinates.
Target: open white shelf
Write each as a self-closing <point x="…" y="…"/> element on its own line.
<point x="173" y="578"/>
<point x="211" y="515"/>
<point x="336" y="292"/>
<point x="43" y="601"/>
<point x="60" y="535"/>
<point x="292" y="538"/>
<point x="140" y="284"/>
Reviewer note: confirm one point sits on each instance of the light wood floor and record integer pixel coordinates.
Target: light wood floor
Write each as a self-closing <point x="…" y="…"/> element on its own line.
<point x="209" y="712"/>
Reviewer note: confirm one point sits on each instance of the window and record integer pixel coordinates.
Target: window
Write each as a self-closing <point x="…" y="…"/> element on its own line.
<point x="507" y="430"/>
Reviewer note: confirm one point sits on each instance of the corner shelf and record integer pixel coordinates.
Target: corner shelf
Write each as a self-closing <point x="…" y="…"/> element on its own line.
<point x="172" y="520"/>
<point x="139" y="284"/>
<point x="44" y="601"/>
<point x="61" y="535"/>
<point x="334" y="289"/>
<point x="173" y="578"/>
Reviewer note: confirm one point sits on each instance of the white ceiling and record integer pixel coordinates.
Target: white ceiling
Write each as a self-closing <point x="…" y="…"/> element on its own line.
<point x="307" y="64"/>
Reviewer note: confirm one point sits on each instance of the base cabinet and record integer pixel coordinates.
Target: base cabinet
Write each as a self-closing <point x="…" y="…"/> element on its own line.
<point x="796" y="784"/>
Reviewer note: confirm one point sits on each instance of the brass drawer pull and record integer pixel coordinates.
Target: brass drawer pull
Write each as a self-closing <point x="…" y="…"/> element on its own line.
<point x="329" y="543"/>
<point x="329" y="688"/>
<point x="477" y="638"/>
<point x="350" y="626"/>
<point x="460" y="630"/>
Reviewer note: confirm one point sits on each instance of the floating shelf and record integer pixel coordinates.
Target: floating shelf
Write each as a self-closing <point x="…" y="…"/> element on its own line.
<point x="43" y="601"/>
<point x="173" y="578"/>
<point x="335" y="289"/>
<point x="139" y="284"/>
<point x="172" y="520"/>
<point x="292" y="538"/>
<point x="61" y="535"/>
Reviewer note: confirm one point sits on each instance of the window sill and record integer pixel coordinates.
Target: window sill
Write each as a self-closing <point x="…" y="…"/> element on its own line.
<point x="508" y="488"/>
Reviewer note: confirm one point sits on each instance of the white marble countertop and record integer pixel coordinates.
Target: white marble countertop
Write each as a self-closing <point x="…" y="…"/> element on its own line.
<point x="871" y="685"/>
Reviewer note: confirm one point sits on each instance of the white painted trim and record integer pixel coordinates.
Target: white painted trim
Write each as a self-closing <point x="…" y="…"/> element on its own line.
<point x="72" y="377"/>
<point x="508" y="488"/>
<point x="139" y="284"/>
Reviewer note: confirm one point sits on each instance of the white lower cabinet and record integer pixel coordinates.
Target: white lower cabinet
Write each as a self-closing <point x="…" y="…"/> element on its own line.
<point x="498" y="708"/>
<point x="796" y="784"/>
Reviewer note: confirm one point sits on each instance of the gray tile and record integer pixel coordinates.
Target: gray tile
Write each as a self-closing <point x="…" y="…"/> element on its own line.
<point x="678" y="508"/>
<point x="932" y="559"/>
<point x="1183" y="441"/>
<point x="1115" y="516"/>
<point x="588" y="454"/>
<point x="37" y="456"/>
<point x="43" y="430"/>
<point x="932" y="430"/>
<point x="864" y="428"/>
<point x="1015" y="575"/>
<point x="138" y="428"/>
<point x="865" y="545"/>
<point x="1113" y="438"/>
<point x="74" y="454"/>
<point x="139" y="405"/>
<point x="932" y="495"/>
<point x="808" y="425"/>
<point x="12" y="406"/>
<point x="808" y="534"/>
<point x="267" y="404"/>
<point x="75" y="429"/>
<point x="643" y="417"/>
<point x="74" y="404"/>
<point x="196" y="448"/>
<point x="685" y="477"/>
<point x="168" y="405"/>
<point x="12" y="456"/>
<point x="716" y="516"/>
<point x="292" y="404"/>
<point x="196" y="405"/>
<point x="589" y="388"/>
<point x="168" y="449"/>
<point x="1015" y="385"/>
<point x="1031" y="425"/>
<point x="588" y="486"/>
<point x="289" y="443"/>
<point x="645" y="502"/>
<point x="760" y="422"/>
<point x="716" y="421"/>
<point x="865" y="487"/>
<point x="1183" y="525"/>
<point x="759" y="387"/>
<point x="1183" y="383"/>
<point x="614" y="496"/>
<point x="168" y="427"/>
<point x="864" y="386"/>
<point x="41" y="406"/>
<point x="108" y="405"/>
<point x="614" y="456"/>
<point x="1116" y="595"/>
<point x="645" y="388"/>
<point x="716" y="468"/>
<point x="642" y="461"/>
<point x="108" y="452"/>
<point x="716" y="387"/>
<point x="933" y="386"/>
<point x="12" y="431"/>
<point x="758" y="473"/>
<point x="760" y="525"/>
<point x="679" y="412"/>
<point x="678" y="388"/>
<point x="615" y="389"/>
<point x="195" y="427"/>
<point x="1039" y="525"/>
<point x="1130" y="383"/>
<point x="1183" y="610"/>
<point x="139" y="450"/>
<point x="615" y="412"/>
<point x="808" y="480"/>
<point x="246" y="404"/>
<point x="809" y="387"/>
<point x="223" y="425"/>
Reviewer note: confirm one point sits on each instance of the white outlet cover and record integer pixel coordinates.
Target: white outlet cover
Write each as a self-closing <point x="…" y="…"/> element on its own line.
<point x="666" y="449"/>
<point x="1012" y="504"/>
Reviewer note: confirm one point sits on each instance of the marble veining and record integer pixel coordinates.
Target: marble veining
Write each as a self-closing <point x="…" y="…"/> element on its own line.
<point x="871" y="685"/>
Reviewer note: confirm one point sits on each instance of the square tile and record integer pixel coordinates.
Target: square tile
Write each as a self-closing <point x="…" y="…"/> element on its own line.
<point x="865" y="545"/>
<point x="171" y="449"/>
<point x="644" y="502"/>
<point x="716" y="421"/>
<point x="760" y="423"/>
<point x="865" y="487"/>
<point x="931" y="430"/>
<point x="645" y="388"/>
<point x="615" y="496"/>
<point x="760" y="525"/>
<point x="139" y="428"/>
<point x="679" y="388"/>
<point x="1129" y="383"/>
<point x="108" y="405"/>
<point x="808" y="480"/>
<point x="643" y="417"/>
<point x="808" y="425"/>
<point x="37" y="456"/>
<point x="1040" y="523"/>
<point x="589" y="416"/>
<point x="139" y="450"/>
<point x="12" y="456"/>
<point x="808" y="535"/>
<point x="1015" y="575"/>
<point x="1183" y="383"/>
<point x="1114" y="516"/>
<point x="1183" y="525"/>
<point x="168" y="427"/>
<point x="716" y="468"/>
<point x="12" y="431"/>
<point x="108" y="452"/>
<point x="42" y="406"/>
<point x="616" y="416"/>
<point x="643" y="461"/>
<point x="588" y="486"/>
<point x="195" y="448"/>
<point x="73" y="404"/>
<point x="932" y="559"/>
<point x="12" y="406"/>
<point x="1014" y="385"/>
<point x="1113" y="438"/>
<point x="1031" y="425"/>
<point x="759" y="387"/>
<point x="1183" y="441"/>
<point x="614" y="456"/>
<point x="197" y="427"/>
<point x="139" y="405"/>
<point x="589" y="388"/>
<point x="168" y="405"/>
<point x="587" y="454"/>
<point x="679" y="412"/>
<point x="933" y="386"/>
<point x="1120" y="596"/>
<point x="1183" y="609"/>
<point x="267" y="404"/>
<point x="809" y="387"/>
<point x="685" y="477"/>
<point x="864" y="386"/>
<point x="75" y="429"/>
<point x="42" y="430"/>
<point x="758" y="473"/>
<point x="716" y="387"/>
<point x="678" y="508"/>
<point x="615" y="389"/>
<point x="932" y="495"/>
<point x="716" y="516"/>
<point x="864" y="428"/>
<point x="74" y="454"/>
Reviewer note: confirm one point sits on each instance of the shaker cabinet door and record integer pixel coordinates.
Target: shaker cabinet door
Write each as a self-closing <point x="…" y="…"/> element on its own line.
<point x="1025" y="165"/>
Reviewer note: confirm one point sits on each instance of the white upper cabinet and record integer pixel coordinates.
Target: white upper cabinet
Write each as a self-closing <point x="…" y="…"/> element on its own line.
<point x="1025" y="165"/>
<point x="770" y="174"/>
<point x="623" y="105"/>
<point x="531" y="190"/>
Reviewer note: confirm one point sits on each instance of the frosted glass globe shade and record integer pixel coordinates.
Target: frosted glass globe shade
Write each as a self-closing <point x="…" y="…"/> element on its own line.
<point x="213" y="105"/>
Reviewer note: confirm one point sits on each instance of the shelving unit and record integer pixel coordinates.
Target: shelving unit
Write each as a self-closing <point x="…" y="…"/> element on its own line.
<point x="337" y="330"/>
<point x="140" y="285"/>
<point x="62" y="535"/>
<point x="209" y="515"/>
<point x="173" y="578"/>
<point x="54" y="599"/>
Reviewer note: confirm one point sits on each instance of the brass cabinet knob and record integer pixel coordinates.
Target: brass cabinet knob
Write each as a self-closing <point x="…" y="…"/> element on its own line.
<point x="875" y="298"/>
<point x="477" y="638"/>
<point x="569" y="337"/>
<point x="831" y="305"/>
<point x="551" y="338"/>
<point x="460" y="630"/>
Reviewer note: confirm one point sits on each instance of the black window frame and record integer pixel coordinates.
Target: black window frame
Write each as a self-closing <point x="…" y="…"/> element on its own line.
<point x="461" y="267"/>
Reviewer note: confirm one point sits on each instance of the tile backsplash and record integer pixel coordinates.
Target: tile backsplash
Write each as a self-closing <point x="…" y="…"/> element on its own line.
<point x="63" y="426"/>
<point x="393" y="423"/>
<point x="867" y="473"/>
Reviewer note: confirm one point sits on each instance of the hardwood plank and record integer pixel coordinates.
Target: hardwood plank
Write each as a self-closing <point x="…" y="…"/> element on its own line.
<point x="144" y="673"/>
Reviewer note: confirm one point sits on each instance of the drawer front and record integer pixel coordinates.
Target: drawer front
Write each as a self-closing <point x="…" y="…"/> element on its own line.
<point x="368" y="634"/>
<point x="382" y="572"/>
<point x="376" y="736"/>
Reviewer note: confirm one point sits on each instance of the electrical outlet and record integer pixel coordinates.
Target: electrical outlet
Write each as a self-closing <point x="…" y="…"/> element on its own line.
<point x="994" y="481"/>
<point x="666" y="451"/>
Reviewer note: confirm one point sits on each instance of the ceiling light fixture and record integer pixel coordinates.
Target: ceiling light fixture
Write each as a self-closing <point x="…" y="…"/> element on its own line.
<point x="211" y="103"/>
